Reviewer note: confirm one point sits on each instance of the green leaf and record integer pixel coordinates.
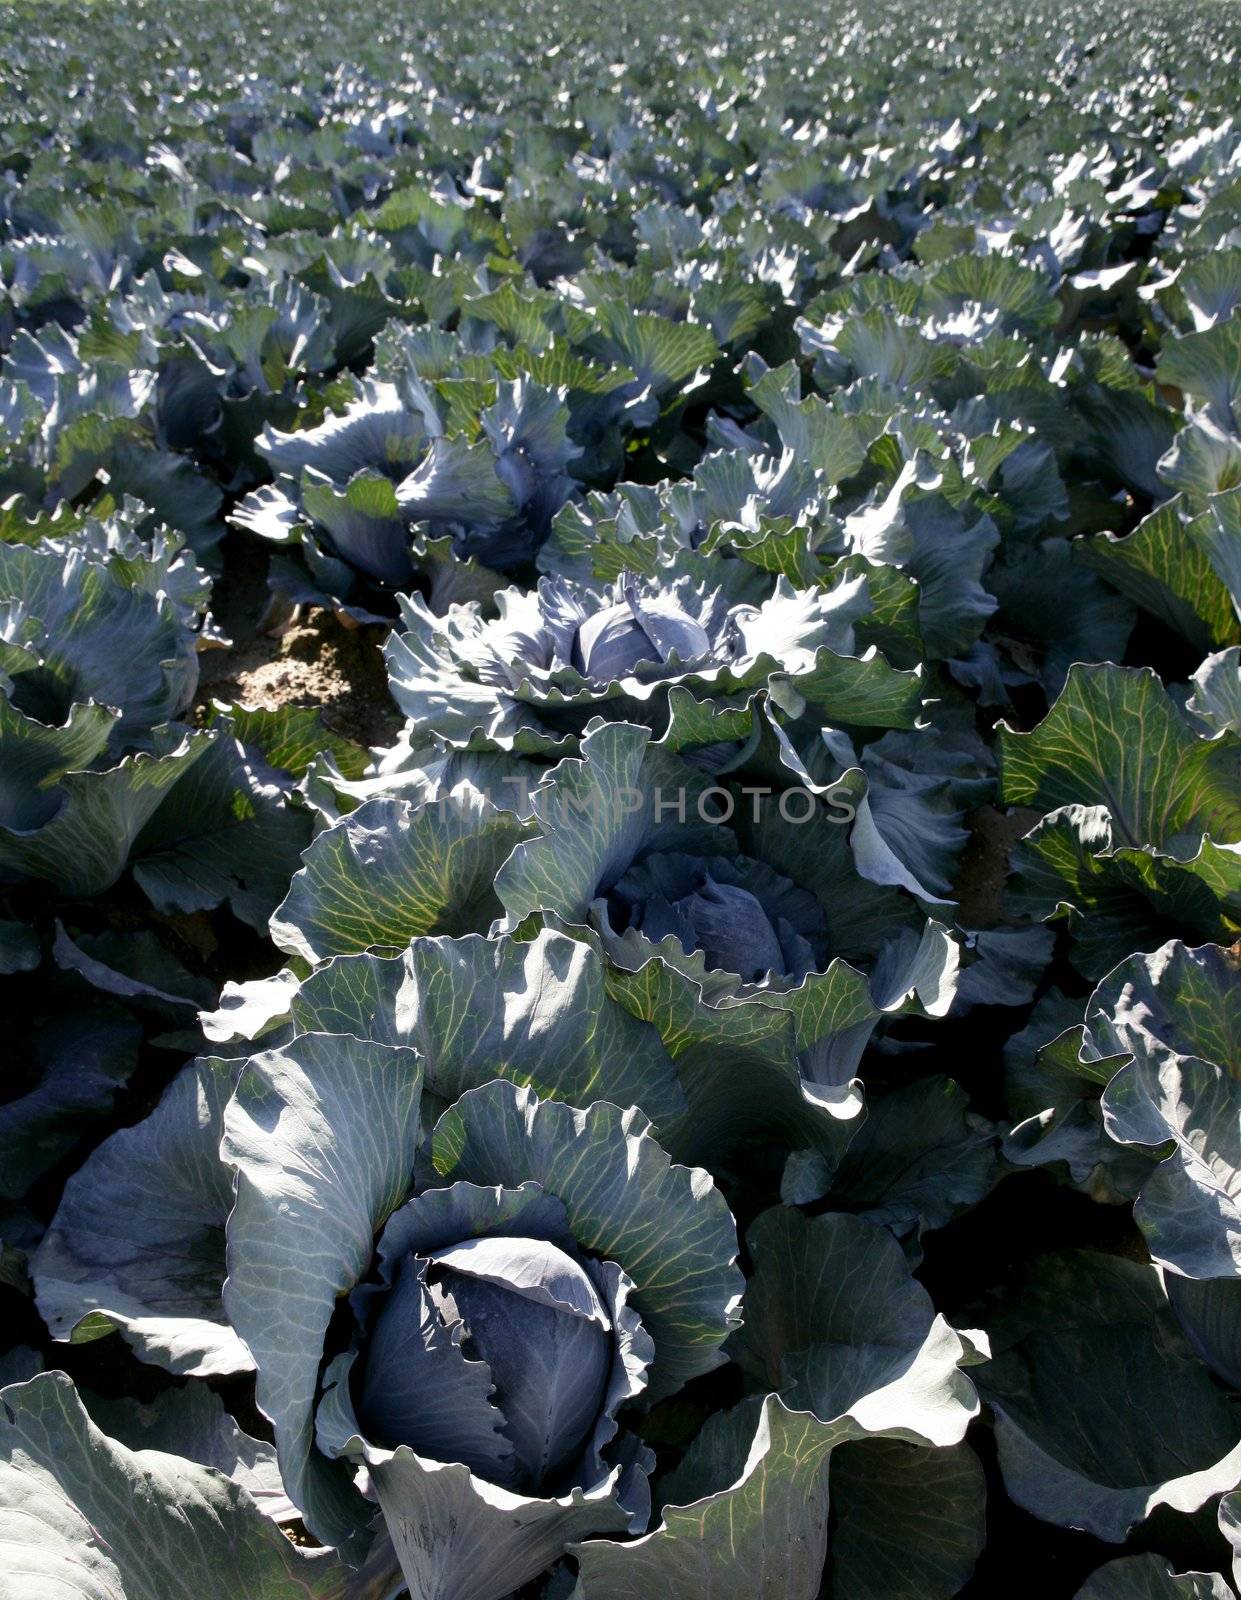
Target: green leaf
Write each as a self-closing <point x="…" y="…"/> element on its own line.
<point x="83" y="1514"/>
<point x="1219" y="532"/>
<point x="1163" y="567"/>
<point x="1207" y="365"/>
<point x="99" y="634"/>
<point x="918" y="1160"/>
<point x="137" y="1242"/>
<point x="1230" y="1527"/>
<point x="1117" y="900"/>
<point x="459" y="1537"/>
<point x="661" y="352"/>
<point x="290" y="737"/>
<point x="1176" y="1014"/>
<point x="322" y="1134"/>
<point x="1217" y="691"/>
<point x="1204" y="462"/>
<point x="82" y="850"/>
<point x="1151" y="1578"/>
<point x="761" y="1530"/>
<point x="392" y="871"/>
<point x="835" y="1322"/>
<point x="536" y="1013"/>
<point x="1022" y="293"/>
<point x="73" y="1060"/>
<point x="928" y="1548"/>
<point x="363" y="522"/>
<point x="135" y="967"/>
<point x="833" y="444"/>
<point x="1125" y="436"/>
<point x="1076" y="1448"/>
<point x="862" y="691"/>
<point x="1115" y="739"/>
<point x="694" y="724"/>
<point x="192" y="1423"/>
<point x="739" y="1065"/>
<point x="227" y="832"/>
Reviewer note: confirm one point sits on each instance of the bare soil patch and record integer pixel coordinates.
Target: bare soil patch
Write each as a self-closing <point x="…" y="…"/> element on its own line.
<point x="314" y="660"/>
<point x="984" y="871"/>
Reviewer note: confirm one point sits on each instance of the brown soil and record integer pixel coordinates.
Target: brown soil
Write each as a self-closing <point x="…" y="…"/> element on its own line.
<point x="984" y="872"/>
<point x="312" y="660"/>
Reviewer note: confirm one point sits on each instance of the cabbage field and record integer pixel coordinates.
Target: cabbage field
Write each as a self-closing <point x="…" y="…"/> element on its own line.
<point x="620" y="800"/>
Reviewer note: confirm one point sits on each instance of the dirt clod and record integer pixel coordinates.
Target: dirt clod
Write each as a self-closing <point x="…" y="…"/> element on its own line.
<point x="984" y="870"/>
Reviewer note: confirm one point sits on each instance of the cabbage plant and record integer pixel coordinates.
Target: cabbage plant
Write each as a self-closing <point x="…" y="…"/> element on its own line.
<point x="510" y="1307"/>
<point x="651" y="650"/>
<point x="368" y="497"/>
